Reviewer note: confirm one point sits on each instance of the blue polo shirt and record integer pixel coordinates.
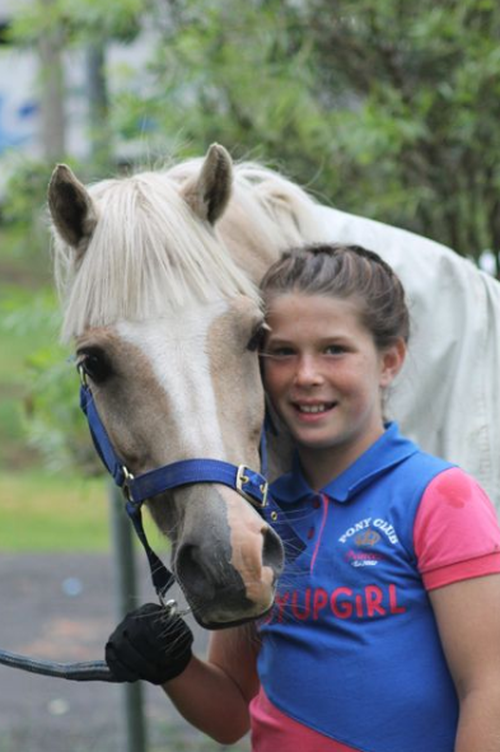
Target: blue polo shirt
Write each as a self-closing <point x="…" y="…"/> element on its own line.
<point x="351" y="648"/>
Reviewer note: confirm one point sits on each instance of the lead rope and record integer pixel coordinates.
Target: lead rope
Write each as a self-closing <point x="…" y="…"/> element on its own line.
<point x="82" y="671"/>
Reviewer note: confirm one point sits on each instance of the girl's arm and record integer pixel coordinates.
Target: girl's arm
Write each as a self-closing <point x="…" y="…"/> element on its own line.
<point x="468" y="618"/>
<point x="214" y="695"/>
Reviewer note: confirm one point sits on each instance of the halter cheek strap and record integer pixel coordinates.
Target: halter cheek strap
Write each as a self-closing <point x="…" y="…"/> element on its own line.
<point x="251" y="485"/>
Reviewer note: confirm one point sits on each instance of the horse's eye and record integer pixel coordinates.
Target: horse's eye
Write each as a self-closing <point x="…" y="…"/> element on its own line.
<point x="255" y="341"/>
<point x="95" y="364"/>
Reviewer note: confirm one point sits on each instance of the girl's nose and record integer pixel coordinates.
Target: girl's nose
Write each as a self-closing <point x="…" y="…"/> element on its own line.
<point x="308" y="373"/>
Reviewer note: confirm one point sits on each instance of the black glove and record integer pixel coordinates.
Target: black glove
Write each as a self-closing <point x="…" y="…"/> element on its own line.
<point x="149" y="644"/>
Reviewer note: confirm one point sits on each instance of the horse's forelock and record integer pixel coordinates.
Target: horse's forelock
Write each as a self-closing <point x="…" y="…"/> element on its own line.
<point x="150" y="255"/>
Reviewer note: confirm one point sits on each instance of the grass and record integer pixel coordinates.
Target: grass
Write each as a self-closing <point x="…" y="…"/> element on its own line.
<point x="40" y="511"/>
<point x="43" y="512"/>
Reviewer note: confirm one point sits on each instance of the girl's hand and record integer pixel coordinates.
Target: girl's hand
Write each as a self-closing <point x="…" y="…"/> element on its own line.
<point x="149" y="644"/>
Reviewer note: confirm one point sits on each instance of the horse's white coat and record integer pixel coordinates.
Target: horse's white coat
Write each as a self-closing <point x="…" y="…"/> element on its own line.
<point x="176" y="349"/>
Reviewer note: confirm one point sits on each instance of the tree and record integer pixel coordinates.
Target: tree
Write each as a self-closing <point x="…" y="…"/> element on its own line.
<point x="385" y="108"/>
<point x="389" y="109"/>
<point x="426" y="78"/>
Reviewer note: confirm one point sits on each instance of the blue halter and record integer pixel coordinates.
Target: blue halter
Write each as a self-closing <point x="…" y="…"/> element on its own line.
<point x="251" y="485"/>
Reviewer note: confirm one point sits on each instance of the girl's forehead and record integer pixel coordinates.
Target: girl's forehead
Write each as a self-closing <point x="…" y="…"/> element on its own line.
<point x="292" y="309"/>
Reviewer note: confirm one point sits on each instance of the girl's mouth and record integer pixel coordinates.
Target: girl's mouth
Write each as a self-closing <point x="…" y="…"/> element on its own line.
<point x="318" y="409"/>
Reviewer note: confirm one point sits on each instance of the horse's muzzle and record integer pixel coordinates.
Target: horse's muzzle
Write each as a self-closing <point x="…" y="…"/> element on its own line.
<point x="221" y="594"/>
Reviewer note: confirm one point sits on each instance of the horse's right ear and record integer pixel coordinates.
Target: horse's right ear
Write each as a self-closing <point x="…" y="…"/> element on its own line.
<point x="209" y="193"/>
<point x="71" y="208"/>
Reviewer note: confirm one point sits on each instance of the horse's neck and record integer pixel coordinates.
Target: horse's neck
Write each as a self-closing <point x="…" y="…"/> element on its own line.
<point x="248" y="246"/>
<point x="257" y="228"/>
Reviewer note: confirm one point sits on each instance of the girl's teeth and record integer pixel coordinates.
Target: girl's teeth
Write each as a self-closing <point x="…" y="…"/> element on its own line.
<point x="312" y="408"/>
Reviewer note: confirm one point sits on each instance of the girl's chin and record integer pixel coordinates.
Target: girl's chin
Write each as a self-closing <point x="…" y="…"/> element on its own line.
<point x="315" y="439"/>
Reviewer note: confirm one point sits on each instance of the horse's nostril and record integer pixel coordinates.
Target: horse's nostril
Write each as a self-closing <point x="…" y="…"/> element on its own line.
<point x="272" y="551"/>
<point x="191" y="572"/>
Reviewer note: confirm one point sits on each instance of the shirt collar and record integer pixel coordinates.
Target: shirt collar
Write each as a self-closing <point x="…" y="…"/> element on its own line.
<point x="389" y="450"/>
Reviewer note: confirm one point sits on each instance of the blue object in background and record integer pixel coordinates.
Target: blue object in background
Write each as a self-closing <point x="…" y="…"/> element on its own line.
<point x="23" y="115"/>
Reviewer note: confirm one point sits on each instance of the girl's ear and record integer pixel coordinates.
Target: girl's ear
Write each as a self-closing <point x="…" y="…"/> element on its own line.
<point x="392" y="360"/>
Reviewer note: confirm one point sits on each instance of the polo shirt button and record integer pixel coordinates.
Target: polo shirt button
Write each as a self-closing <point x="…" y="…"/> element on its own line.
<point x="310" y="533"/>
<point x="316" y="503"/>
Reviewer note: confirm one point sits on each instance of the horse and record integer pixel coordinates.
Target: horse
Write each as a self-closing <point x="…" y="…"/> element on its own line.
<point x="158" y="274"/>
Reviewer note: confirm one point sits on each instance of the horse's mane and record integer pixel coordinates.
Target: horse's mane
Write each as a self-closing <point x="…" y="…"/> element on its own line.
<point x="149" y="254"/>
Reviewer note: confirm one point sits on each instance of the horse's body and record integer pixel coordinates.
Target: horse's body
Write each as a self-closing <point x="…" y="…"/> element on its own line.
<point x="160" y="296"/>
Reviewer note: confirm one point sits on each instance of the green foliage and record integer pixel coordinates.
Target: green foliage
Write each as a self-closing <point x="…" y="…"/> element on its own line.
<point x="25" y="191"/>
<point x="77" y="21"/>
<point x="234" y="74"/>
<point x="13" y="352"/>
<point x="387" y="109"/>
<point x="47" y="411"/>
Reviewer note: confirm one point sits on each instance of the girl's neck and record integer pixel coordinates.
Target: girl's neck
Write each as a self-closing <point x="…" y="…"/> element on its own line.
<point x="322" y="465"/>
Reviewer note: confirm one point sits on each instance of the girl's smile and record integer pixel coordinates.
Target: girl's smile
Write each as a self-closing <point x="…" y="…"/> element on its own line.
<point x="325" y="376"/>
<point x="311" y="411"/>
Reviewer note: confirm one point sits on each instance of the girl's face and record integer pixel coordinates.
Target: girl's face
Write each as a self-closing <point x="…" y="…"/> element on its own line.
<point x="324" y="376"/>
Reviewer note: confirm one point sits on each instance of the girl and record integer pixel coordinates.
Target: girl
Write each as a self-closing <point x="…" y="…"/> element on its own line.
<point x="385" y="635"/>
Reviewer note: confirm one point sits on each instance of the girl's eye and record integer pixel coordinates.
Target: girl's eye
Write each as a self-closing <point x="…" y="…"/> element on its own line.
<point x="279" y="353"/>
<point x="94" y="364"/>
<point x="335" y="350"/>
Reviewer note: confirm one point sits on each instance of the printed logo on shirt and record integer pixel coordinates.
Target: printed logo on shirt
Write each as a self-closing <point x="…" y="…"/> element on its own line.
<point x="371" y="526"/>
<point x="364" y="536"/>
<point x="358" y="558"/>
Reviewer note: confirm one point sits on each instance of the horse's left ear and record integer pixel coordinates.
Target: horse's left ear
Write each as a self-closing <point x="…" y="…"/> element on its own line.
<point x="209" y="193"/>
<point x="71" y="208"/>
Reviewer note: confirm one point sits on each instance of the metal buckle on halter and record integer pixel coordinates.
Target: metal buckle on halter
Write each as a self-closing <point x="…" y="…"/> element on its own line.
<point x="242" y="479"/>
<point x="127" y="476"/>
<point x="83" y="375"/>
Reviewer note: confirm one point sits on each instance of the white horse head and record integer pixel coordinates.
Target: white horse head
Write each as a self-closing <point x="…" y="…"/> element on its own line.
<point x="164" y="321"/>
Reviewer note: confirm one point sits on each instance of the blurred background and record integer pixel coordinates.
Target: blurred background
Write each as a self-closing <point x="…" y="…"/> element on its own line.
<point x="382" y="108"/>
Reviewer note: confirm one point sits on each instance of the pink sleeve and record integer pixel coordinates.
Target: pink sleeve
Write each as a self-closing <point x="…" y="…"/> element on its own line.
<point x="456" y="532"/>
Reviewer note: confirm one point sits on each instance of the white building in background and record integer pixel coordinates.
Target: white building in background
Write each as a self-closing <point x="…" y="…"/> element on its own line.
<point x="24" y="114"/>
<point x="19" y="108"/>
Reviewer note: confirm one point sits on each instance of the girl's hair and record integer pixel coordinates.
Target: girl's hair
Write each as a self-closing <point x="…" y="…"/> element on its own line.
<point x="345" y="271"/>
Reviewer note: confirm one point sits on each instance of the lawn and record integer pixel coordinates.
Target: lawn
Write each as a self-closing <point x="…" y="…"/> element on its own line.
<point x="40" y="511"/>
